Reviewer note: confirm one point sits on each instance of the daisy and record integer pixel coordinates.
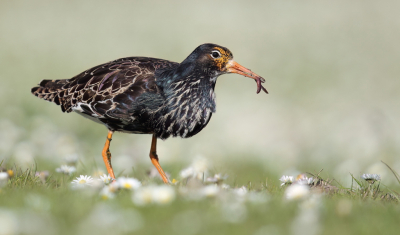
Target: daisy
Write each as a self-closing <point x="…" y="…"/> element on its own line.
<point x="197" y="169"/>
<point x="82" y="181"/>
<point x="286" y="179"/>
<point x="297" y="191"/>
<point x="218" y="178"/>
<point x="303" y="179"/>
<point x="3" y="179"/>
<point x="113" y="187"/>
<point x="225" y="186"/>
<point x="187" y="172"/>
<point x="105" y="178"/>
<point x="42" y="175"/>
<point x="200" y="166"/>
<point x="210" y="190"/>
<point x="310" y="181"/>
<point x="163" y="194"/>
<point x="128" y="183"/>
<point x="107" y="192"/>
<point x="143" y="196"/>
<point x="371" y="178"/>
<point x="68" y="170"/>
<point x="241" y="192"/>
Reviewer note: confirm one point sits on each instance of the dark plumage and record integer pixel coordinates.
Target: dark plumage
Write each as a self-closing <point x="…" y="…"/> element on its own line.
<point x="144" y="95"/>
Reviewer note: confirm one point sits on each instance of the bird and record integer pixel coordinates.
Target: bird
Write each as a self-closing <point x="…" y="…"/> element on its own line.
<point x="144" y="95"/>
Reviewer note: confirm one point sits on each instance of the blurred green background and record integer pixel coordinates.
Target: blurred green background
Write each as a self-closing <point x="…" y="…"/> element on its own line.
<point x="331" y="69"/>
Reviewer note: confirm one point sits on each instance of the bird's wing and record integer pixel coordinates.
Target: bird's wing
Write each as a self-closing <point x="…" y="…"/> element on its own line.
<point x="104" y="90"/>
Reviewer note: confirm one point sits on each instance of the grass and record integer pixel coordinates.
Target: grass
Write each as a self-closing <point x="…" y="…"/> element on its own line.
<point x="50" y="206"/>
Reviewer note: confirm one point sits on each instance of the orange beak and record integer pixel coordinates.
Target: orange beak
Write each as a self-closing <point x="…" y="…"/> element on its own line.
<point x="233" y="67"/>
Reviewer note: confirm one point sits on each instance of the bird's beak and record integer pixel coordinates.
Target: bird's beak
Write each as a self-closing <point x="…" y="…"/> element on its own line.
<point x="233" y="67"/>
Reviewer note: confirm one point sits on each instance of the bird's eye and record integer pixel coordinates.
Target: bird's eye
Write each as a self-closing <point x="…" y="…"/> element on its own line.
<point x="215" y="54"/>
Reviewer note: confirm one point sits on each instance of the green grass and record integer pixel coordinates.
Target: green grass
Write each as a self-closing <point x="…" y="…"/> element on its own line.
<point x="362" y="209"/>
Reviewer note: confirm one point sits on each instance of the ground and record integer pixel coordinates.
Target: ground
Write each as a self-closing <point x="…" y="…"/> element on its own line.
<point x="198" y="201"/>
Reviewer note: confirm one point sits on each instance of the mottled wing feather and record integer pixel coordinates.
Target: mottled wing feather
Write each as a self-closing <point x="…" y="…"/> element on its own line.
<point x="107" y="90"/>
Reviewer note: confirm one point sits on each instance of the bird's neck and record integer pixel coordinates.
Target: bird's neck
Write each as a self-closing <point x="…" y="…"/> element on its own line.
<point x="196" y="87"/>
<point x="188" y="82"/>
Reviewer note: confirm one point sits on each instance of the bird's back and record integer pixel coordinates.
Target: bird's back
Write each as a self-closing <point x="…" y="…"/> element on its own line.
<point x="107" y="92"/>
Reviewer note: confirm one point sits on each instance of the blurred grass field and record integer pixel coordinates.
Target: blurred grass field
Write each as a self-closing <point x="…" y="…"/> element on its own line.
<point x="31" y="206"/>
<point x="331" y="69"/>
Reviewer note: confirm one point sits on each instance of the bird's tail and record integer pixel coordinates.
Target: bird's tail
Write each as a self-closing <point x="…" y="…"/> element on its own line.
<point x="50" y="90"/>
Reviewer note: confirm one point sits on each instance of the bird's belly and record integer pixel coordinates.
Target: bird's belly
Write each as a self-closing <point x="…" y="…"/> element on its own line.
<point x="121" y="125"/>
<point x="186" y="126"/>
<point x="132" y="128"/>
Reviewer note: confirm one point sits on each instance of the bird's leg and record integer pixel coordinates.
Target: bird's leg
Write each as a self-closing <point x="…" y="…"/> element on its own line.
<point x="107" y="155"/>
<point x="154" y="159"/>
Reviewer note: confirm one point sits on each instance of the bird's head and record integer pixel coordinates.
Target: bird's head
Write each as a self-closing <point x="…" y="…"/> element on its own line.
<point x="217" y="60"/>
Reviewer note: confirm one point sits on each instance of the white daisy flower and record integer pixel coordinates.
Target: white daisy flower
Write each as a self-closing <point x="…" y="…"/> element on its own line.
<point x="217" y="178"/>
<point x="225" y="186"/>
<point x="286" y="179"/>
<point x="113" y="187"/>
<point x="68" y="170"/>
<point x="42" y="175"/>
<point x="371" y="178"/>
<point x="82" y="181"/>
<point x="107" y="192"/>
<point x="303" y="179"/>
<point x="197" y="169"/>
<point x="3" y="179"/>
<point x="128" y="183"/>
<point x="143" y="196"/>
<point x="187" y="172"/>
<point x="241" y="192"/>
<point x="163" y="194"/>
<point x="297" y="191"/>
<point x="200" y="164"/>
<point x="105" y="178"/>
<point x="210" y="190"/>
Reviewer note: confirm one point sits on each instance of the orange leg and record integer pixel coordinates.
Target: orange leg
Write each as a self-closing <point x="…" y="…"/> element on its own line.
<point x="154" y="159"/>
<point x="107" y="155"/>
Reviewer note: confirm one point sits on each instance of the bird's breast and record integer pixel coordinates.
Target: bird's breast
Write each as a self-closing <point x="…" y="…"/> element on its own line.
<point x="186" y="112"/>
<point x="185" y="121"/>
